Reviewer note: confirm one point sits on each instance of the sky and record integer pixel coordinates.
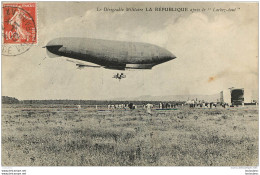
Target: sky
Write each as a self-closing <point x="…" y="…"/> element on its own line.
<point x="215" y="50"/>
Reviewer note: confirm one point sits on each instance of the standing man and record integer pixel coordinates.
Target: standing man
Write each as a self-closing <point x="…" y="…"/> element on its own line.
<point x="149" y="108"/>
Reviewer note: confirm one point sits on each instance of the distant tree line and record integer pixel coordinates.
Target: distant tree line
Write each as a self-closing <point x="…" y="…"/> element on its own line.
<point x="92" y="102"/>
<point x="9" y="100"/>
<point x="12" y="100"/>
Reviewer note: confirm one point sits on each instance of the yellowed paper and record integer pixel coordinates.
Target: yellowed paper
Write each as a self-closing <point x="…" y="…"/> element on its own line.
<point x="129" y="84"/>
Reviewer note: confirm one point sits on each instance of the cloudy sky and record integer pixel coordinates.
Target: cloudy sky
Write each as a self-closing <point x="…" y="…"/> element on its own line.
<point x="215" y="50"/>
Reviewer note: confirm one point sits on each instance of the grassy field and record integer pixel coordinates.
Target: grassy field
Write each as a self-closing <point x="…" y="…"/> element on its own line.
<point x="42" y="135"/>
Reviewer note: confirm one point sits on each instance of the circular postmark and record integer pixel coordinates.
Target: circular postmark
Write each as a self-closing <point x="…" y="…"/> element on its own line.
<point x="19" y="31"/>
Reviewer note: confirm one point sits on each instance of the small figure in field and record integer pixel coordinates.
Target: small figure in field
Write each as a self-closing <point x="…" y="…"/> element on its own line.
<point x="160" y="105"/>
<point x="149" y="108"/>
<point x="79" y="107"/>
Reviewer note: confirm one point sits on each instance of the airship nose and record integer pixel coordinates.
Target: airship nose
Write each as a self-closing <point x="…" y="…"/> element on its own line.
<point x="54" y="42"/>
<point x="53" y="47"/>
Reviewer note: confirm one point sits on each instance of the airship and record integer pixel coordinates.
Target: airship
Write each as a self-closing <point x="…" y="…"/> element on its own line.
<point x="109" y="54"/>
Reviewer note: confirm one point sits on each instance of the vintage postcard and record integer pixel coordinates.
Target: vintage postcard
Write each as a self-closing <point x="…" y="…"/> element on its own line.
<point x="129" y="84"/>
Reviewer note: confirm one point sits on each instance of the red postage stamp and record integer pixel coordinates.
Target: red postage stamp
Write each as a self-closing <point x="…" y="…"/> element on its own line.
<point x="19" y="23"/>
